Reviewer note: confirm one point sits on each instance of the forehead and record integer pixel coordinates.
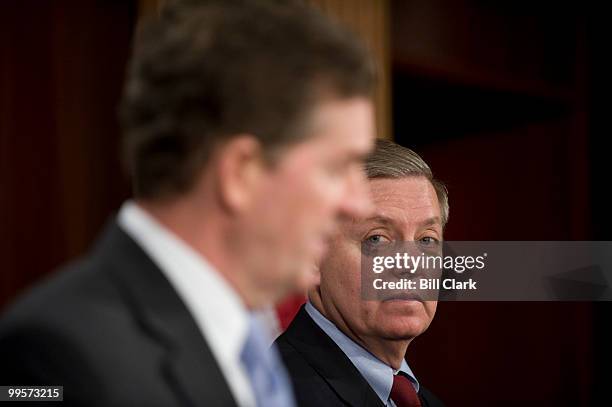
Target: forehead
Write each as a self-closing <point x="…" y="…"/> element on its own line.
<point x="338" y="131"/>
<point x="405" y="200"/>
<point x="349" y="120"/>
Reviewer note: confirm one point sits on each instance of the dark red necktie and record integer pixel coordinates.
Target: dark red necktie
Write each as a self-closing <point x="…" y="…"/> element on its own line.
<point x="403" y="393"/>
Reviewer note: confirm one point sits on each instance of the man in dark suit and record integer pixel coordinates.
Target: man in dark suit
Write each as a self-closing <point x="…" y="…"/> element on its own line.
<point x="346" y="349"/>
<point x="245" y="125"/>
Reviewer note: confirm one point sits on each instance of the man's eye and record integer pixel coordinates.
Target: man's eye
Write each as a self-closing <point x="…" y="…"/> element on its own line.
<point x="376" y="239"/>
<point x="429" y="241"/>
<point x="372" y="245"/>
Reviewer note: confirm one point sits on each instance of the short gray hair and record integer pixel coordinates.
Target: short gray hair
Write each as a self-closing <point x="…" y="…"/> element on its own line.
<point x="390" y="160"/>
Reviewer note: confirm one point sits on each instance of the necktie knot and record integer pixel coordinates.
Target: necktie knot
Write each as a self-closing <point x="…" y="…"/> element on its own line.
<point x="403" y="393"/>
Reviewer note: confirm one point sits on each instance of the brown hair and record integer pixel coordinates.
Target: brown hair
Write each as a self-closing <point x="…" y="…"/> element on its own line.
<point x="204" y="71"/>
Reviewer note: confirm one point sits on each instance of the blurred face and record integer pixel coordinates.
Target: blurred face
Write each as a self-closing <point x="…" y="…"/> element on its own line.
<point x="304" y="195"/>
<point x="406" y="209"/>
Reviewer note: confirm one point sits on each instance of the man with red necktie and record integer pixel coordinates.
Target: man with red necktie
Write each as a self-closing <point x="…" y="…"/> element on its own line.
<point x="341" y="349"/>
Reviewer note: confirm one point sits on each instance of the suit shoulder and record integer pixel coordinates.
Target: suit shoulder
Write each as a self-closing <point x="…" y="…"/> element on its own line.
<point x="294" y="360"/>
<point x="78" y="329"/>
<point x="310" y="387"/>
<point x="68" y="295"/>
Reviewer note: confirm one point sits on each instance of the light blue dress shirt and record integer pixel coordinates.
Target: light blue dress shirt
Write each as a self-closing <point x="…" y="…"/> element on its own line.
<point x="377" y="373"/>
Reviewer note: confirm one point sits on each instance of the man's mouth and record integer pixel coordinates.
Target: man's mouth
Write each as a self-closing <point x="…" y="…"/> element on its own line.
<point x="403" y="296"/>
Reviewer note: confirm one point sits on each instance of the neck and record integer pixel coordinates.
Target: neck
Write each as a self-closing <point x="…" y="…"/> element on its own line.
<point x="203" y="228"/>
<point x="389" y="351"/>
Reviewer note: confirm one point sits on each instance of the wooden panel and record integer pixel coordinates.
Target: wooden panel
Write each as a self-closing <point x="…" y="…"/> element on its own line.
<point x="370" y="20"/>
<point x="148" y="7"/>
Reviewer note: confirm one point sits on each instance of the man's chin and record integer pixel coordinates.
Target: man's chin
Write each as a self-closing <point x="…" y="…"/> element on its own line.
<point x="403" y="306"/>
<point x="406" y="328"/>
<point x="402" y="334"/>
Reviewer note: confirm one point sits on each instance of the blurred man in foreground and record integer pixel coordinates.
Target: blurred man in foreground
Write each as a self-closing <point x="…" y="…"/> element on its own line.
<point x="246" y="124"/>
<point x="341" y="349"/>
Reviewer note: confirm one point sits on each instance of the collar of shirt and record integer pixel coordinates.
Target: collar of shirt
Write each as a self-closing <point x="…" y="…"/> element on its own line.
<point x="377" y="373"/>
<point x="216" y="308"/>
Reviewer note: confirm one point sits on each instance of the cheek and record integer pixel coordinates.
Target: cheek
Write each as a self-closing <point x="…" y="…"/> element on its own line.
<point x="431" y="307"/>
<point x="318" y="198"/>
<point x="299" y="196"/>
<point x="371" y="315"/>
<point x="340" y="274"/>
<point x="318" y="188"/>
<point x="285" y="201"/>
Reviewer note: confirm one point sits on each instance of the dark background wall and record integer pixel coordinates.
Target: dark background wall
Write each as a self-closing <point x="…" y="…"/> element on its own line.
<point x="501" y="99"/>
<point x="61" y="69"/>
<point x="505" y="100"/>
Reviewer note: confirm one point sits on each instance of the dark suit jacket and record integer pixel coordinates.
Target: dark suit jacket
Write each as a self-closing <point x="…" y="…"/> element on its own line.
<point x="113" y="332"/>
<point x="322" y="374"/>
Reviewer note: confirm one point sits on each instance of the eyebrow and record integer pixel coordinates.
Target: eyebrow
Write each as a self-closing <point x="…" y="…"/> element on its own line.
<point x="431" y="221"/>
<point x="385" y="220"/>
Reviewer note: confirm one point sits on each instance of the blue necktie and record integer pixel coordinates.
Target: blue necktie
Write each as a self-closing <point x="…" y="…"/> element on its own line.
<point x="266" y="372"/>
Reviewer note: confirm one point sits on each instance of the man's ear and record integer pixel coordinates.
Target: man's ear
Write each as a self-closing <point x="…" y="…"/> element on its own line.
<point x="241" y="167"/>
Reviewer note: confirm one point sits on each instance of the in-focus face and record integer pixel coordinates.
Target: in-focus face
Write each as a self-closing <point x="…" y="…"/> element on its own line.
<point x="315" y="183"/>
<point x="406" y="209"/>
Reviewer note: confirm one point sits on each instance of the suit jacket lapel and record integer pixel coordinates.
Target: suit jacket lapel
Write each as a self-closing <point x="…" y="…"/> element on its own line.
<point x="330" y="362"/>
<point x="188" y="364"/>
